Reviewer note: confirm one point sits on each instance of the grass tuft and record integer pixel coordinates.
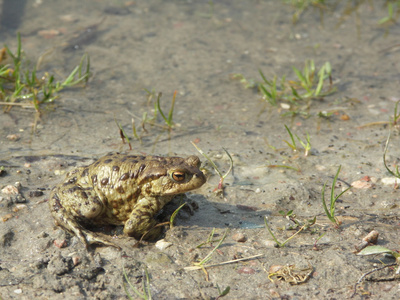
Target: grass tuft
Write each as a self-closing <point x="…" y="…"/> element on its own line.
<point x="294" y="96"/>
<point x="22" y="86"/>
<point x="330" y="212"/>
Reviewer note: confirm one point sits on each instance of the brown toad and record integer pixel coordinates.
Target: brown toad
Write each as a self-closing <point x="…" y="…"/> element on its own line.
<point x="122" y="190"/>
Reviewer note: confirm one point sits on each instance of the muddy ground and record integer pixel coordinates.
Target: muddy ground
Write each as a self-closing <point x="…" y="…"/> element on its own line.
<point x="194" y="47"/>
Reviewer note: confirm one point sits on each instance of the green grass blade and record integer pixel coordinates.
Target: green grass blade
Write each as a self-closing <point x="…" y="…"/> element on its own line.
<point x="173" y="216"/>
<point x="396" y="173"/>
<point x="328" y="214"/>
<point x="140" y="295"/>
<point x="302" y="78"/>
<point x="208" y="257"/>
<point x="273" y="90"/>
<point x="320" y="82"/>
<point x="171" y="111"/>
<point x="123" y="133"/>
<point x="292" y="138"/>
<point x="267" y="95"/>
<point x="263" y="77"/>
<point x="271" y="233"/>
<point x="209" y="160"/>
<point x="230" y="165"/>
<point x="295" y="94"/>
<point x="160" y="111"/>
<point x="333" y="198"/>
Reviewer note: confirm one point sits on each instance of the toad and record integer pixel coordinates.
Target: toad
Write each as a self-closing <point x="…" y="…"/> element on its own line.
<point x="124" y="190"/>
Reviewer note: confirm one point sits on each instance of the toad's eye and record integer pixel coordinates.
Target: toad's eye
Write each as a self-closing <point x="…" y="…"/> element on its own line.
<point x="178" y="176"/>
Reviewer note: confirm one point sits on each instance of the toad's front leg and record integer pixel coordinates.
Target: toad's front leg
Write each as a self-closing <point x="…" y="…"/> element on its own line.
<point x="141" y="220"/>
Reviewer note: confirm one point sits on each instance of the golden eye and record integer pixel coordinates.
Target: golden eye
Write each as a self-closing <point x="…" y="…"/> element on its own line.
<point x="178" y="176"/>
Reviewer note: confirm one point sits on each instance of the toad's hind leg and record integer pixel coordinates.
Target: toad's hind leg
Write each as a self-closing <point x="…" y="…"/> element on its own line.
<point x="68" y="220"/>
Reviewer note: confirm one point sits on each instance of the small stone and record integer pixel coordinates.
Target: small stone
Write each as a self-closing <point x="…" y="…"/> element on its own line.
<point x="344" y="117"/>
<point x="18" y="291"/>
<point x="372" y="237"/>
<point x="369" y="240"/>
<point x="60" y="243"/>
<point x="35" y="193"/>
<point x="246" y="270"/>
<point x="69" y="18"/>
<point x="270" y="244"/>
<point x="388" y="204"/>
<point x="43" y="234"/>
<point x="6" y="238"/>
<point x="239" y="237"/>
<point x="20" y="199"/>
<point x="6" y="217"/>
<point x="18" y="207"/>
<point x="361" y="184"/>
<point x="76" y="260"/>
<point x="48" y="33"/>
<point x="390" y="181"/>
<point x="10" y="190"/>
<point x="162" y="244"/>
<point x="13" y="137"/>
<point x="285" y="106"/>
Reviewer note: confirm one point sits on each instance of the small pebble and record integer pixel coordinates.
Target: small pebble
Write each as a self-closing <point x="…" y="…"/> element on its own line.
<point x="239" y="237"/>
<point x="270" y="244"/>
<point x="42" y="234"/>
<point x="69" y="18"/>
<point x="344" y="117"/>
<point x="10" y="190"/>
<point x="361" y="184"/>
<point x="18" y="207"/>
<point x="76" y="260"/>
<point x="60" y="243"/>
<point x="19" y="199"/>
<point x="162" y="244"/>
<point x="372" y="237"/>
<point x="13" y="137"/>
<point x="390" y="181"/>
<point x="285" y="106"/>
<point x="35" y="193"/>
<point x="48" y="33"/>
<point x="246" y="270"/>
<point x="6" y="217"/>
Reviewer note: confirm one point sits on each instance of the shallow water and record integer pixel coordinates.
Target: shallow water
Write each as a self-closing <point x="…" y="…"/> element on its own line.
<point x="194" y="48"/>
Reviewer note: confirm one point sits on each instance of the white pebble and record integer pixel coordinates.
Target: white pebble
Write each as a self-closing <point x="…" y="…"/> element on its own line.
<point x="162" y="244"/>
<point x="390" y="180"/>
